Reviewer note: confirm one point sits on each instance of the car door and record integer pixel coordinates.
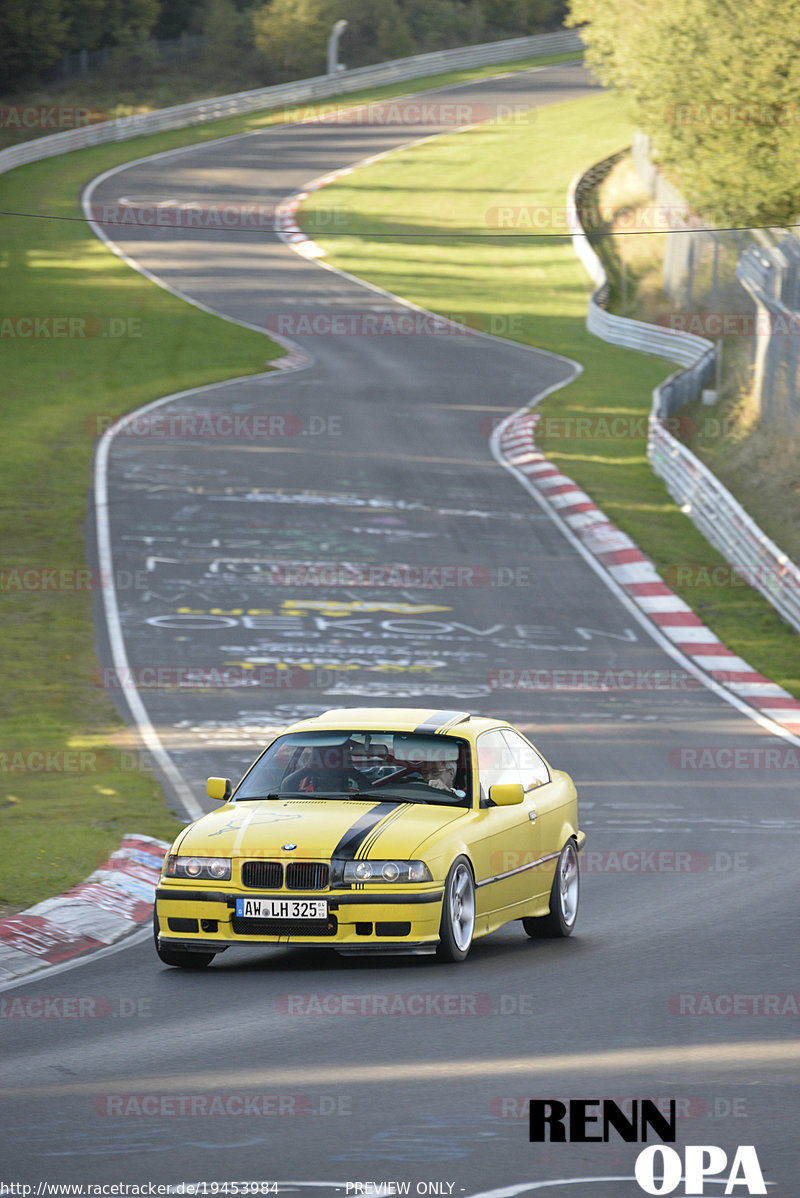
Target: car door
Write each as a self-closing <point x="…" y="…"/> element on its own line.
<point x="510" y="838"/>
<point x="539" y="805"/>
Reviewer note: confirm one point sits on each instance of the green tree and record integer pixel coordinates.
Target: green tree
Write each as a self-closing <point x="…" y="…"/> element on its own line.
<point x="545" y="14"/>
<point x="86" y="25"/>
<point x="393" y="36"/>
<point x="505" y="16"/>
<point x="227" y="31"/>
<point x="376" y="30"/>
<point x="518" y="18"/>
<point x="444" y="23"/>
<point x="32" y="37"/>
<point x="293" y="34"/>
<point x="131" y="22"/>
<point x="716" y="86"/>
<point x="177" y="17"/>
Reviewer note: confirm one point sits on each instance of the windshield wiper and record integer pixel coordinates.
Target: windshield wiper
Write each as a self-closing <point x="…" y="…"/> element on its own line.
<point x="374" y="795"/>
<point x="287" y="794"/>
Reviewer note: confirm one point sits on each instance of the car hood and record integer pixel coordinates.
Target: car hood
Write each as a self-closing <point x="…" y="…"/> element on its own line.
<point x="319" y="828"/>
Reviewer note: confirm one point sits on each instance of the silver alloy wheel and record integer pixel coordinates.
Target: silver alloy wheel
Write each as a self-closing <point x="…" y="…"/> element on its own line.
<point x="568" y="883"/>
<point x="461" y="899"/>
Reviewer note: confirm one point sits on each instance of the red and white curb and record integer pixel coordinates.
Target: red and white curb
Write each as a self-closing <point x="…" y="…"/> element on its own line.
<point x="289" y="231"/>
<point x="113" y="901"/>
<point x="636" y="575"/>
<point x="287" y="228"/>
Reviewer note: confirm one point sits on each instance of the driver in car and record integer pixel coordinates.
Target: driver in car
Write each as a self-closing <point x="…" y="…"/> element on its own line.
<point x="442" y="775"/>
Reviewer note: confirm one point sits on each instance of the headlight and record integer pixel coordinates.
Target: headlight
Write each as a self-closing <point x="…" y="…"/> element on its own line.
<point x="215" y="869"/>
<point x="386" y="871"/>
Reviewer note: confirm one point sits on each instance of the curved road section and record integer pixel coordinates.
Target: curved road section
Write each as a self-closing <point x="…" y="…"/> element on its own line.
<point x="339" y="535"/>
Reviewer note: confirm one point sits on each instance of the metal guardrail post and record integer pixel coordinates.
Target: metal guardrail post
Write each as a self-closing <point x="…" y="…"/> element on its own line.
<point x="334" y="65"/>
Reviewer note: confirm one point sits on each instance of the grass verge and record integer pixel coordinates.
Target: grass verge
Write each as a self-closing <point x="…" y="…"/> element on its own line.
<point x="60" y="815"/>
<point x="69" y="784"/>
<point x="421" y="224"/>
<point x="754" y="460"/>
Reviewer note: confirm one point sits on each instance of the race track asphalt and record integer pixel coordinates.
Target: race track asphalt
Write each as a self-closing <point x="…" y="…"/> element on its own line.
<point x="382" y="463"/>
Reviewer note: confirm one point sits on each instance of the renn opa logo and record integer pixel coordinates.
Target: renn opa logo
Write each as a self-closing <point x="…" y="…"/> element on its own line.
<point x="659" y="1169"/>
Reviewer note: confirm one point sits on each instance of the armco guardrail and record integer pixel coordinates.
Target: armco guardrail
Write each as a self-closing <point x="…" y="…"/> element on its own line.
<point x="302" y="90"/>
<point x="700" y="494"/>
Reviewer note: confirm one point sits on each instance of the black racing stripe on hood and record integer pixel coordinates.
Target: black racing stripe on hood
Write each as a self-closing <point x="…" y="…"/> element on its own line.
<point x="365" y="848"/>
<point x="350" y="843"/>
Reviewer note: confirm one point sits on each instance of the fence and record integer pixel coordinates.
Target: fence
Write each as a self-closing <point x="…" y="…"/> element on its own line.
<point x="301" y="91"/>
<point x="709" y="505"/>
<point x="699" y="263"/>
<point x="771" y="275"/>
<point x="737" y="273"/>
<point x="87" y="62"/>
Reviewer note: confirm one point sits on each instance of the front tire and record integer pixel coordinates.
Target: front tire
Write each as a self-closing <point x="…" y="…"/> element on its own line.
<point x="458" y="913"/>
<point x="564" y="896"/>
<point x="180" y="958"/>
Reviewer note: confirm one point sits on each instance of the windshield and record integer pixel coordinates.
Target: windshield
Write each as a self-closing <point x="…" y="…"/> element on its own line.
<point x="404" y="766"/>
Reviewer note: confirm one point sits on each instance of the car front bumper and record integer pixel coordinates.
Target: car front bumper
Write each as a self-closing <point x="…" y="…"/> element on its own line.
<point x="358" y="921"/>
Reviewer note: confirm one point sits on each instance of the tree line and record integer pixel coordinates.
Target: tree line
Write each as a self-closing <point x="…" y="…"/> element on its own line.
<point x="287" y="37"/>
<point x="716" y="86"/>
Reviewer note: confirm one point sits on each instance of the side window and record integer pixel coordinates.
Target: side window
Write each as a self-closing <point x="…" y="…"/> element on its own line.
<point x="532" y="769"/>
<point x="496" y="763"/>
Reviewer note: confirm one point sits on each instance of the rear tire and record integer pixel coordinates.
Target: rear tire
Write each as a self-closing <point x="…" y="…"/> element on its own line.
<point x="179" y="957"/>
<point x="564" y="896"/>
<point x="458" y="913"/>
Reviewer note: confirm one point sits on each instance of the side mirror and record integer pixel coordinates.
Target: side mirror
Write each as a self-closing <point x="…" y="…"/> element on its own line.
<point x="506" y="794"/>
<point x="220" y="788"/>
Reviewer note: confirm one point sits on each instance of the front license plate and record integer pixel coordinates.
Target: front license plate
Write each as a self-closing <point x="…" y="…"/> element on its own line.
<point x="275" y="908"/>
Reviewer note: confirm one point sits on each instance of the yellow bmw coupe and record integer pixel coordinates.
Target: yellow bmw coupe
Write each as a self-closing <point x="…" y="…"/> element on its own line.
<point x="376" y="831"/>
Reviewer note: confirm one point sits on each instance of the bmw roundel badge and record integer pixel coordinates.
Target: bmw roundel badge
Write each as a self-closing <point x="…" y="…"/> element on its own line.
<point x="288" y="847"/>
